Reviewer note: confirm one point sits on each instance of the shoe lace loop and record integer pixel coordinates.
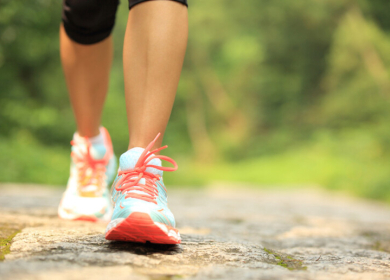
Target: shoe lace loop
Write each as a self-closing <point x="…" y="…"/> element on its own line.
<point x="130" y="179"/>
<point x="89" y="170"/>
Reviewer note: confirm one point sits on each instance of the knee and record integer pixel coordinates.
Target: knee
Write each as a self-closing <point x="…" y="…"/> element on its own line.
<point x="89" y="21"/>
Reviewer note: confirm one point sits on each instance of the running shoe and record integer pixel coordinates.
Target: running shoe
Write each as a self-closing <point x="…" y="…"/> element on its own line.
<point x="141" y="212"/>
<point x="93" y="167"/>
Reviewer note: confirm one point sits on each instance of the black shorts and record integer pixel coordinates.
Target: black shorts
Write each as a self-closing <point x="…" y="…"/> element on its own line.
<point x="91" y="21"/>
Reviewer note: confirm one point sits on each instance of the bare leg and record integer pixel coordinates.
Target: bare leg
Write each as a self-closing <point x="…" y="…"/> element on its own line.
<point x="86" y="69"/>
<point x="153" y="54"/>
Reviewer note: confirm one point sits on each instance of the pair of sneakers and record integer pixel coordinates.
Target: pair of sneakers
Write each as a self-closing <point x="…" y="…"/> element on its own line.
<point x="136" y="207"/>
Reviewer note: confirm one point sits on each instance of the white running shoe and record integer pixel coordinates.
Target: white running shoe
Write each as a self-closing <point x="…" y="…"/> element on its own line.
<point x="93" y="167"/>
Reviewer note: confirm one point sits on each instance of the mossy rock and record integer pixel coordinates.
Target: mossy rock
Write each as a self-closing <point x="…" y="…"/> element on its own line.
<point x="7" y="233"/>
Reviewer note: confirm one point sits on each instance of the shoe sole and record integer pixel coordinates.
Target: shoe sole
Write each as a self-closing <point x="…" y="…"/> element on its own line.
<point x="91" y="219"/>
<point x="84" y="219"/>
<point x="72" y="216"/>
<point x="139" y="227"/>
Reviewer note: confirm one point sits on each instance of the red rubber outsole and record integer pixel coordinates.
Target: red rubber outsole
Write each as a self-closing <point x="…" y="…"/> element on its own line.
<point x="87" y="219"/>
<point x="84" y="219"/>
<point x="139" y="227"/>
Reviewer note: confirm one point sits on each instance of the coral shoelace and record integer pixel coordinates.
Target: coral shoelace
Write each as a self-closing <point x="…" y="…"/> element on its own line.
<point x="130" y="179"/>
<point x="90" y="170"/>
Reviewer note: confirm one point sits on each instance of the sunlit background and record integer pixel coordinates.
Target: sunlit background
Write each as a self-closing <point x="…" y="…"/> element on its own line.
<point x="272" y="93"/>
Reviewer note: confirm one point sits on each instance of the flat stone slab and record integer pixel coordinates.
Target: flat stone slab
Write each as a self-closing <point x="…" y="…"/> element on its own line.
<point x="227" y="233"/>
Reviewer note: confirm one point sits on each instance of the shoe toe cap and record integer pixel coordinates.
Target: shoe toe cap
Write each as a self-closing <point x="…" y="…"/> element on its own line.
<point x="156" y="213"/>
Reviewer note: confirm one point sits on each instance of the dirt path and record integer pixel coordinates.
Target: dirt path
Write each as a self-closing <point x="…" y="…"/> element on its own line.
<point x="227" y="234"/>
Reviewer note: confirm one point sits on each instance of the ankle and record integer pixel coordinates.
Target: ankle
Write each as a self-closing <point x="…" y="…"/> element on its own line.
<point x="88" y="133"/>
<point x="143" y="144"/>
<point x="94" y="140"/>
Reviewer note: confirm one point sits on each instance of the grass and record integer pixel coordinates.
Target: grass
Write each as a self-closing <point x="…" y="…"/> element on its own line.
<point x="286" y="261"/>
<point x="306" y="166"/>
<point x="7" y="233"/>
<point x="354" y="167"/>
<point x="26" y="160"/>
<point x="380" y="241"/>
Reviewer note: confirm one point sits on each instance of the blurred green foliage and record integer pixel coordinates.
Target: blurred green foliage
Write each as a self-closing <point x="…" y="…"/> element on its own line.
<point x="272" y="92"/>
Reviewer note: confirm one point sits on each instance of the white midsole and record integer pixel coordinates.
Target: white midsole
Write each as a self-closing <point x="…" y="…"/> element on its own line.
<point x="113" y="224"/>
<point x="71" y="215"/>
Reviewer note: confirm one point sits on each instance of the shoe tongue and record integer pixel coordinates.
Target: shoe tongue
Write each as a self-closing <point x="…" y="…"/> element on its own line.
<point x="128" y="160"/>
<point x="97" y="151"/>
<point x="97" y="148"/>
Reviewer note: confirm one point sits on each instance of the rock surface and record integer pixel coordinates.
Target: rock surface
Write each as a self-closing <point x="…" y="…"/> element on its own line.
<point x="227" y="234"/>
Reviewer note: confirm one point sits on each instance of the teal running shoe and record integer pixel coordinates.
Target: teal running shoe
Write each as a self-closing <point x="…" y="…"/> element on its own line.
<point x="141" y="212"/>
